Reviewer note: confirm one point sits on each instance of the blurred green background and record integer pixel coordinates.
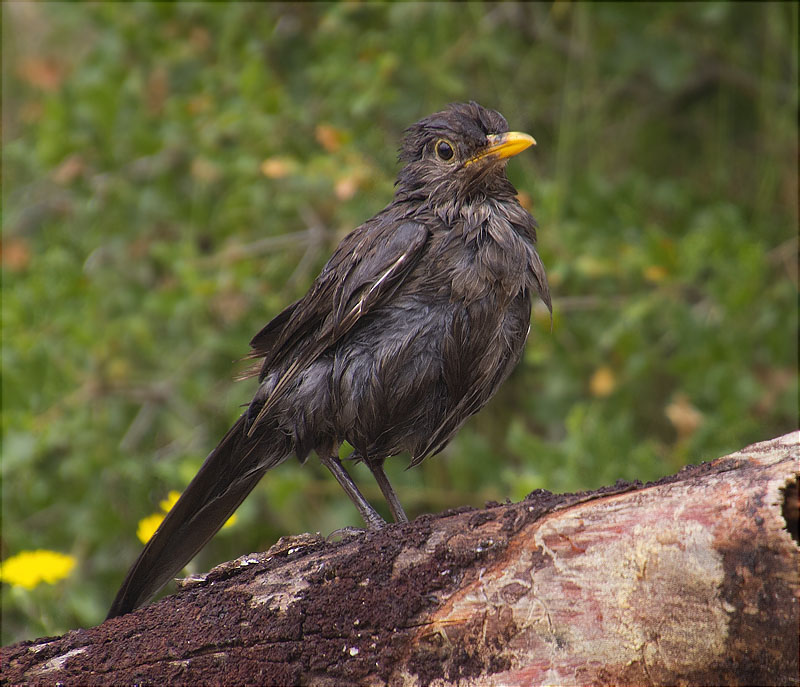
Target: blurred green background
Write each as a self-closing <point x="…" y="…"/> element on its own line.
<point x="174" y="174"/>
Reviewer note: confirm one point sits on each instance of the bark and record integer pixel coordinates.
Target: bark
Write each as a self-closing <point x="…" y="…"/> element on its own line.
<point x="689" y="580"/>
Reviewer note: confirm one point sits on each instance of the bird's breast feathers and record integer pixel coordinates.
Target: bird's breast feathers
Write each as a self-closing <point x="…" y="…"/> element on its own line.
<point x="486" y="251"/>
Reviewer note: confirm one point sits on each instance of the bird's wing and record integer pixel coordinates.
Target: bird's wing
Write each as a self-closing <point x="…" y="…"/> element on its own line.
<point x="364" y="271"/>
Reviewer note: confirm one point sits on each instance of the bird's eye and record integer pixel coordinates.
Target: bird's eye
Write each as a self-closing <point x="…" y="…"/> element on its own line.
<point x="444" y="151"/>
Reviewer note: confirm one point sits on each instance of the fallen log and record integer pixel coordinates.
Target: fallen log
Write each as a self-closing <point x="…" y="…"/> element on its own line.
<point x="689" y="580"/>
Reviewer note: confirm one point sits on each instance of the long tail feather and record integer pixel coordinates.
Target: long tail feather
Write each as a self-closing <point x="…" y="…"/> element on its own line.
<point x="227" y="476"/>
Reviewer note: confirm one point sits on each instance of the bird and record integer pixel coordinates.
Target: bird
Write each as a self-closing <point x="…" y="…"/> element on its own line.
<point x="415" y="321"/>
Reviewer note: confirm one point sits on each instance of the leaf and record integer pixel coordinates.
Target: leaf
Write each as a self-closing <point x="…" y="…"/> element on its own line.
<point x="328" y="137"/>
<point x="44" y="73"/>
<point x="602" y="382"/>
<point x="684" y="416"/>
<point x="278" y="167"/>
<point x="15" y="253"/>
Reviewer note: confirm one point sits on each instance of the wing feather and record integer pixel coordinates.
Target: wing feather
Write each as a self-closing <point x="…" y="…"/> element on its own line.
<point x="366" y="269"/>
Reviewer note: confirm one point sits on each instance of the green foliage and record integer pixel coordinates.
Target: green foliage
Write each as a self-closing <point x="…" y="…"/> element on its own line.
<point x="176" y="173"/>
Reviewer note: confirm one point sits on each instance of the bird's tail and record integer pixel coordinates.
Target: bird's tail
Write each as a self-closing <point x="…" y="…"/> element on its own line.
<point x="228" y="475"/>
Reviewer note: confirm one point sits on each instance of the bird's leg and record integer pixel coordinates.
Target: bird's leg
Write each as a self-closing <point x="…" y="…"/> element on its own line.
<point x="371" y="516"/>
<point x="398" y="513"/>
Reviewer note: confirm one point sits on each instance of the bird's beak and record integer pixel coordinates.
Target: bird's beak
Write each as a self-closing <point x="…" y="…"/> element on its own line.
<point x="504" y="145"/>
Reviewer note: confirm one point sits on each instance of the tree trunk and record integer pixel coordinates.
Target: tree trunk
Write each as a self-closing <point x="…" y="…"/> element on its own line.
<point x="689" y="580"/>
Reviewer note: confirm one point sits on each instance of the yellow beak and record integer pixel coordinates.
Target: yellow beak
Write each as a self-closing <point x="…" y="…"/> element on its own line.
<point x="504" y="145"/>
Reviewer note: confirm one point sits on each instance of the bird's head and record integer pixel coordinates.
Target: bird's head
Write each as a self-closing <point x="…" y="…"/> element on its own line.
<point x="458" y="153"/>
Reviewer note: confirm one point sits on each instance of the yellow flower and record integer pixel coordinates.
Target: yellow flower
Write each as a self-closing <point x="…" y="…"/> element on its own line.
<point x="148" y="526"/>
<point x="170" y="501"/>
<point x="28" y="569"/>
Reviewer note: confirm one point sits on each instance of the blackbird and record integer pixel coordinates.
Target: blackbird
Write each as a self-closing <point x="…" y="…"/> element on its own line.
<point x="412" y="325"/>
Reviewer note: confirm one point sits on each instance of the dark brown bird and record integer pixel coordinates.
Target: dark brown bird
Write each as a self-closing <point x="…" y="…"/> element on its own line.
<point x="416" y="320"/>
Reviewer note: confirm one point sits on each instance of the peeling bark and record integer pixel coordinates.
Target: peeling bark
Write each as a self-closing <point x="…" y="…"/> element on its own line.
<point x="689" y="580"/>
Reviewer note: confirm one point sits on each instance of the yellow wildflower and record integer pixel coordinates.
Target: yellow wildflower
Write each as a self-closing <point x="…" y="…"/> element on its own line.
<point x="28" y="569"/>
<point x="148" y="526"/>
<point x="170" y="501"/>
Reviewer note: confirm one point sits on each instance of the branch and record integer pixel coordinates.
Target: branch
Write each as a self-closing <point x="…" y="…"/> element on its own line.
<point x="691" y="580"/>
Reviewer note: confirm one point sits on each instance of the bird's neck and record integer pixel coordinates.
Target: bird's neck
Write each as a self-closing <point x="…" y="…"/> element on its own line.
<point x="454" y="195"/>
